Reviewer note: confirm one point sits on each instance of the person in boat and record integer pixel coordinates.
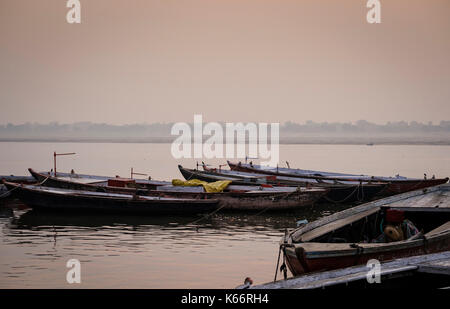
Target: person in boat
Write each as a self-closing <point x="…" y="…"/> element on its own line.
<point x="397" y="228"/>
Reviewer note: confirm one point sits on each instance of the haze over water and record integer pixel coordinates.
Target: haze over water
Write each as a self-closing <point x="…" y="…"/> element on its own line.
<point x="168" y="252"/>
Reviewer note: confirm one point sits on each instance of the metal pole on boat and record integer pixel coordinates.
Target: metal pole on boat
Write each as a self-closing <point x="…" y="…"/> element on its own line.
<point x="59" y="154"/>
<point x="133" y="173"/>
<point x="246" y="158"/>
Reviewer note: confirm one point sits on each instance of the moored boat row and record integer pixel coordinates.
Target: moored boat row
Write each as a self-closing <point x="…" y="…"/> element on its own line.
<point x="395" y="185"/>
<point x="234" y="198"/>
<point x="250" y="187"/>
<point x="388" y="226"/>
<point x="337" y="191"/>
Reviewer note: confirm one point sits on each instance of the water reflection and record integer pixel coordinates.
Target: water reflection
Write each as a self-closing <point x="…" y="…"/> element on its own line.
<point x="218" y="249"/>
<point x="37" y="219"/>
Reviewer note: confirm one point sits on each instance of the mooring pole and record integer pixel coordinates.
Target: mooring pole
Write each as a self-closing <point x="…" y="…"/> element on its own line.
<point x="54" y="163"/>
<point x="133" y="173"/>
<point x="246" y="158"/>
<point x="59" y="154"/>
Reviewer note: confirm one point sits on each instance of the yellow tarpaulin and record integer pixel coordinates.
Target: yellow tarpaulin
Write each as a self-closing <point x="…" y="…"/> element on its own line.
<point x="210" y="187"/>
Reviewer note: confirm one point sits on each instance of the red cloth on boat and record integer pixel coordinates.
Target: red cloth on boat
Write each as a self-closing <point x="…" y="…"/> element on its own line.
<point x="395" y="216"/>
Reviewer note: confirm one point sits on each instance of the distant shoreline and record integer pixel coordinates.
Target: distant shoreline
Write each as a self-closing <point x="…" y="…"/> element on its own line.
<point x="289" y="141"/>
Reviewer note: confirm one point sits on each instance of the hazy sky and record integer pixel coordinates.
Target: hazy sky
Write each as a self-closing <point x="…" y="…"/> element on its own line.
<point x="133" y="61"/>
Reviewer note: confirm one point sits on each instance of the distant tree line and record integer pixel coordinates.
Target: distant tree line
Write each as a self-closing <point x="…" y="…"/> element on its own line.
<point x="103" y="130"/>
<point x="365" y="126"/>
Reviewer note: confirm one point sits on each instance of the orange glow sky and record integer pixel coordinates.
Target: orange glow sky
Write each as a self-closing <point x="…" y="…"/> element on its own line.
<point x="231" y="60"/>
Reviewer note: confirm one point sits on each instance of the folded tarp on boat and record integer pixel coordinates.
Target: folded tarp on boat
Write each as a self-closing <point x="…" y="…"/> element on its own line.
<point x="210" y="187"/>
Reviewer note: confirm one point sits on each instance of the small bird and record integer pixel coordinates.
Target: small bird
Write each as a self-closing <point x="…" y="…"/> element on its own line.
<point x="247" y="283"/>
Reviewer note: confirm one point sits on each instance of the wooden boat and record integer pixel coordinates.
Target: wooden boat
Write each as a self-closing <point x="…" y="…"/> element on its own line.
<point x="235" y="198"/>
<point x="283" y="171"/>
<point x="430" y="271"/>
<point x="403" y="225"/>
<point x="338" y="191"/>
<point x="111" y="184"/>
<point x="216" y="176"/>
<point x="77" y="200"/>
<point x="396" y="185"/>
<point x="252" y="198"/>
<point x="11" y="178"/>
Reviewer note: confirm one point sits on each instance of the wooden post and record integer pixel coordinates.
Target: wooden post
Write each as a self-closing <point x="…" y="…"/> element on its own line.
<point x="247" y="157"/>
<point x="133" y="173"/>
<point x="59" y="154"/>
<point x="54" y="163"/>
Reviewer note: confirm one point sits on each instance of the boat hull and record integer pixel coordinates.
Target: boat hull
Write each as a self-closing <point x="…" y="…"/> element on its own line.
<point x="356" y="235"/>
<point x="255" y="201"/>
<point x="337" y="193"/>
<point x="42" y="199"/>
<point x="50" y="181"/>
<point x="393" y="186"/>
<point x="402" y="186"/>
<point x="351" y="194"/>
<point x="299" y="263"/>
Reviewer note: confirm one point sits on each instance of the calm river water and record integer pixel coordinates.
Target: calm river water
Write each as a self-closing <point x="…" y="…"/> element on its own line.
<point x="167" y="252"/>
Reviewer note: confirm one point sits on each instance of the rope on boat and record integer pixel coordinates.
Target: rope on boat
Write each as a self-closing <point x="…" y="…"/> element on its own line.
<point x="278" y="263"/>
<point x="284" y="196"/>
<point x="207" y="215"/>
<point x="9" y="191"/>
<point x="261" y="212"/>
<point x="360" y="195"/>
<point x="283" y="267"/>
<point x="416" y="185"/>
<point x="343" y="200"/>
<point x="42" y="182"/>
<point x="254" y="215"/>
<point x="190" y="177"/>
<point x="412" y="188"/>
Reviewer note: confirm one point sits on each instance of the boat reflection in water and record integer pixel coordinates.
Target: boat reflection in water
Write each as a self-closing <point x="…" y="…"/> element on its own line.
<point x="42" y="219"/>
<point x="143" y="251"/>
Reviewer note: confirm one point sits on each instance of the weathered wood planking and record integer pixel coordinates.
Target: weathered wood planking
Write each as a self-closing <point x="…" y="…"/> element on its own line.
<point x="436" y="267"/>
<point x="439" y="229"/>
<point x="336" y="225"/>
<point x="438" y="194"/>
<point x="432" y="199"/>
<point x="438" y="263"/>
